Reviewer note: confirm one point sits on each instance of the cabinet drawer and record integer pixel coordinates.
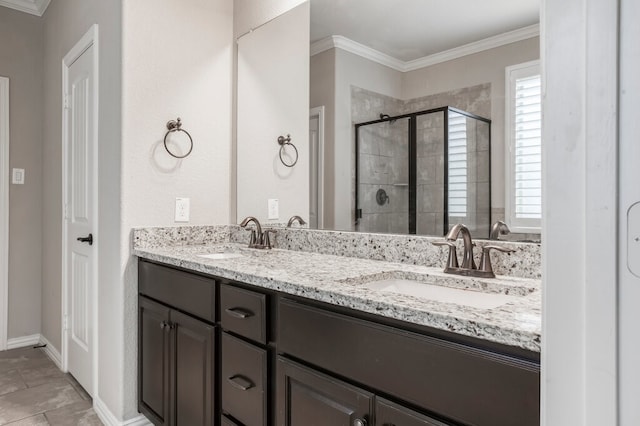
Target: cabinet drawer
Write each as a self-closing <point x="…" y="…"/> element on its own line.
<point x="466" y="384"/>
<point x="243" y="312"/>
<point x="185" y="291"/>
<point x="391" y="414"/>
<point x="244" y="381"/>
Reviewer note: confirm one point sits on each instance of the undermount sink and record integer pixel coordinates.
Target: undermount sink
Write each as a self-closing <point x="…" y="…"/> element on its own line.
<point x="438" y="293"/>
<point x="220" y="256"/>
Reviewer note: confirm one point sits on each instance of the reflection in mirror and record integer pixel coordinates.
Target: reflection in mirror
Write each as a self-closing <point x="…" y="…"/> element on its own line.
<point x="423" y="171"/>
<point x="424" y="55"/>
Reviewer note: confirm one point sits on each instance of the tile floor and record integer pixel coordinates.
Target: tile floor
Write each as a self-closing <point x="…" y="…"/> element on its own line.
<point x="34" y="392"/>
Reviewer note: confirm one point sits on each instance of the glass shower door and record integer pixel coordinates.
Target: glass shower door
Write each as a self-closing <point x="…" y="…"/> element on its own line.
<point x="382" y="177"/>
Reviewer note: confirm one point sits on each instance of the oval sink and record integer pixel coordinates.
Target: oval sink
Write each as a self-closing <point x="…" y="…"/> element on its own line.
<point x="440" y="293"/>
<point x="220" y="256"/>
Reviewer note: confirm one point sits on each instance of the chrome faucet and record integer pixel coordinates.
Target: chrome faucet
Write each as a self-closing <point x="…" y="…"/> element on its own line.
<point x="467" y="260"/>
<point x="497" y="229"/>
<point x="258" y="239"/>
<point x="468" y="266"/>
<point x="294" y="219"/>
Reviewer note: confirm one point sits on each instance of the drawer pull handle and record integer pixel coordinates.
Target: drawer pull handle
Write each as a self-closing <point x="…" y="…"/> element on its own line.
<point x="239" y="313"/>
<point x="359" y="422"/>
<point x="240" y="382"/>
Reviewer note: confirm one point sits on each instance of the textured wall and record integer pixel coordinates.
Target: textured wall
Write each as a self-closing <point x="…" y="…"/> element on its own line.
<point x="273" y="100"/>
<point x="177" y="62"/>
<point x="21" y="53"/>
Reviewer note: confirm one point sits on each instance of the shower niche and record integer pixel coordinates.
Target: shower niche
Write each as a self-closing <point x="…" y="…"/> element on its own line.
<point x="421" y="172"/>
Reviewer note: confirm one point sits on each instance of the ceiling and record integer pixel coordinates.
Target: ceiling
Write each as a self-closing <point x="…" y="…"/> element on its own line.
<point x="412" y="29"/>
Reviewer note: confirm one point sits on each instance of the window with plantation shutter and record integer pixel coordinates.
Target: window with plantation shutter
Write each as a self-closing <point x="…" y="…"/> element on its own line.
<point x="523" y="175"/>
<point x="457" y="158"/>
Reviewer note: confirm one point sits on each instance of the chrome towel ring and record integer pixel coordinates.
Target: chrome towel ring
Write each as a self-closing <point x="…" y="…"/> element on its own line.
<point x="176" y="126"/>
<point x="283" y="142"/>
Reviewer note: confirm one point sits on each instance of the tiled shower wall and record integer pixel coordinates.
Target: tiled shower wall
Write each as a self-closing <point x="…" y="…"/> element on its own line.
<point x="384" y="161"/>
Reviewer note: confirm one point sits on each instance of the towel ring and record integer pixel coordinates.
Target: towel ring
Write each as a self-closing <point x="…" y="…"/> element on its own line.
<point x="176" y="126"/>
<point x="284" y="142"/>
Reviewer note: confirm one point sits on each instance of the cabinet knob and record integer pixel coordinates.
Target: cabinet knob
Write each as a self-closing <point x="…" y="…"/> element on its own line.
<point x="163" y="325"/>
<point x="359" y="422"/>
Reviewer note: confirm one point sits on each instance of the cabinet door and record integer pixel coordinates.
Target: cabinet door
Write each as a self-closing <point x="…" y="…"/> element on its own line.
<point x="194" y="371"/>
<point x="391" y="414"/>
<point x="153" y="361"/>
<point x="306" y="397"/>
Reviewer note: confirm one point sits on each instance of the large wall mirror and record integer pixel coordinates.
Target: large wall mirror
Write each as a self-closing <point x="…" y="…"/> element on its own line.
<point x="408" y="117"/>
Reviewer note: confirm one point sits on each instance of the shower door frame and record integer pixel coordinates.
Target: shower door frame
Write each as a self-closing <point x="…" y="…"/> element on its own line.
<point x="413" y="161"/>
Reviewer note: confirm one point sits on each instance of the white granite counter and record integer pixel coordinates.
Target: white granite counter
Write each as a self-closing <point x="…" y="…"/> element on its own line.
<point x="339" y="280"/>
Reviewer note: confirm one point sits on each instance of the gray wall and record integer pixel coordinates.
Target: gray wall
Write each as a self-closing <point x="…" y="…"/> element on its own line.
<point x="21" y="53"/>
<point x="66" y="21"/>
<point x="479" y="68"/>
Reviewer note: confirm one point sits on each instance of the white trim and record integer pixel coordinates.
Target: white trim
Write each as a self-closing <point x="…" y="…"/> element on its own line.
<point x="34" y="7"/>
<point x="87" y="40"/>
<point x="319" y="112"/>
<point x="4" y="211"/>
<point x="52" y="352"/>
<point x="527" y="226"/>
<point x="107" y="417"/>
<point x="340" y="42"/>
<point x="24" y="341"/>
<point x="346" y="44"/>
<point x="33" y="340"/>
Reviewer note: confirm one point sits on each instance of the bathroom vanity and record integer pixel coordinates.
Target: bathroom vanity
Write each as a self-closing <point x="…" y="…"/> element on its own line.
<point x="281" y="337"/>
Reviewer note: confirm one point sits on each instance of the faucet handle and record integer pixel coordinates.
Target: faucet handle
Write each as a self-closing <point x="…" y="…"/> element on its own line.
<point x="452" y="262"/>
<point x="265" y="237"/>
<point x="485" y="262"/>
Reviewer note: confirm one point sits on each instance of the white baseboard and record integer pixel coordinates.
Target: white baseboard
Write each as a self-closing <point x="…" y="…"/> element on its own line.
<point x="51" y="352"/>
<point x="24" y="341"/>
<point x="107" y="417"/>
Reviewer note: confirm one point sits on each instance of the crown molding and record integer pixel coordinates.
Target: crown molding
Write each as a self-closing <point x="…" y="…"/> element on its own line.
<point x="340" y="42"/>
<point x="34" y="7"/>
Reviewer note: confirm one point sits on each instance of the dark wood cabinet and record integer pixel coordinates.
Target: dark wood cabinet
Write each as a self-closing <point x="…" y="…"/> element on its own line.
<point x="214" y="352"/>
<point x="307" y="397"/>
<point x="176" y="366"/>
<point x="392" y="414"/>
<point x="194" y="370"/>
<point x="154" y="361"/>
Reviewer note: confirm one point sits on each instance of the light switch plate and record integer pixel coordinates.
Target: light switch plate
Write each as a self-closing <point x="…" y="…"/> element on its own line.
<point x="182" y="209"/>
<point x="633" y="239"/>
<point x="17" y="177"/>
<point x="273" y="208"/>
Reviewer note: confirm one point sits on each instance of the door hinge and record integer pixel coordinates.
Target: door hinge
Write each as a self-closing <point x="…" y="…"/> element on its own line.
<point x="66" y="211"/>
<point x="65" y="323"/>
<point x="66" y="101"/>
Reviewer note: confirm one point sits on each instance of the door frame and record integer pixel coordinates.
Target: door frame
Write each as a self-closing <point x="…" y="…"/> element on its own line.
<point x="88" y="40"/>
<point x="319" y="112"/>
<point x="4" y="212"/>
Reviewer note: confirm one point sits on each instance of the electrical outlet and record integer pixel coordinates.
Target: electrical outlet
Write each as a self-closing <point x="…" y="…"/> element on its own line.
<point x="18" y="177"/>
<point x="182" y="210"/>
<point x="273" y="208"/>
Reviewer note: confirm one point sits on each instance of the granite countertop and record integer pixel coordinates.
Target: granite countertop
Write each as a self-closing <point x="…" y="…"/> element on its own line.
<point x="339" y="280"/>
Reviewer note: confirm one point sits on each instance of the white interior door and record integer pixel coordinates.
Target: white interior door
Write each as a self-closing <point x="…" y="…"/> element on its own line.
<point x="80" y="217"/>
<point x="316" y="167"/>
